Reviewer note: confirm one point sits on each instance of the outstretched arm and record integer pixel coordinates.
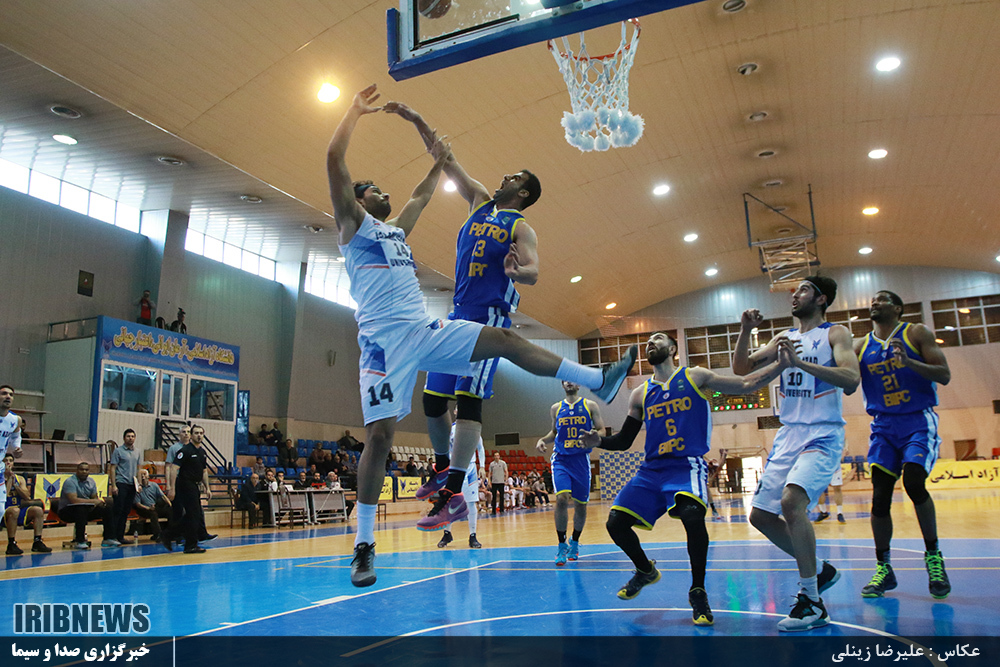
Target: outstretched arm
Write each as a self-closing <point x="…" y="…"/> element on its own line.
<point x="346" y="210"/>
<point x="743" y="361"/>
<point x="471" y="190"/>
<point x="421" y="196"/>
<point x="707" y="380"/>
<point x="626" y="436"/>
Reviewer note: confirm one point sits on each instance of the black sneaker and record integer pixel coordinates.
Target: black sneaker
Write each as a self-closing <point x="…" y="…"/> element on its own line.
<point x="883" y="580"/>
<point x="638" y="581"/>
<point x="614" y="375"/>
<point x="13" y="549"/>
<point x="474" y="543"/>
<point x="827" y="577"/>
<point x="701" y="613"/>
<point x="937" y="578"/>
<point x="40" y="547"/>
<point x="840" y="518"/>
<point x="195" y="550"/>
<point x="823" y="516"/>
<point x="166" y="541"/>
<point x="445" y="539"/>
<point x="207" y="537"/>
<point x="806" y="614"/>
<point x="363" y="565"/>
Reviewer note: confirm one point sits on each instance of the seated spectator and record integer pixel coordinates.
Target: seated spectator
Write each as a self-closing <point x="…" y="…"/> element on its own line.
<point x="79" y="503"/>
<point x="139" y="407"/>
<point x="288" y="456"/>
<point x="150" y="503"/>
<point x="302" y="482"/>
<point x="317" y="481"/>
<point x="21" y="510"/>
<point x="263" y="434"/>
<point x="348" y="441"/>
<point x="276" y="436"/>
<point x="178" y="325"/>
<point x="332" y="481"/>
<point x="485" y="493"/>
<point x="312" y="471"/>
<point x="280" y="479"/>
<point x="247" y="499"/>
<point x="113" y="405"/>
<point x="316" y="457"/>
<point x="411" y="468"/>
<point x="327" y="464"/>
<point x="258" y="466"/>
<point x="538" y="488"/>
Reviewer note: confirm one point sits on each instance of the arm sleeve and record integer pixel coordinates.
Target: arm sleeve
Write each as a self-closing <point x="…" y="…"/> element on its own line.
<point x="624" y="438"/>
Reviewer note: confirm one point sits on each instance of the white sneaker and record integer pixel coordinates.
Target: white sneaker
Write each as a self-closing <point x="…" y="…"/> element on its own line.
<point x="79" y="546"/>
<point x="806" y="614"/>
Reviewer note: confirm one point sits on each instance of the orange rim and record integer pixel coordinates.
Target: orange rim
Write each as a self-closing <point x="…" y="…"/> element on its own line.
<point x="607" y="56"/>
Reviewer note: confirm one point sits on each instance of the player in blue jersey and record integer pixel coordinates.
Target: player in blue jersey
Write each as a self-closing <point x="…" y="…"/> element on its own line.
<point x="396" y="336"/>
<point x="900" y="364"/>
<point x="820" y="366"/>
<point x="496" y="249"/>
<point x="673" y="477"/>
<point x="571" y="418"/>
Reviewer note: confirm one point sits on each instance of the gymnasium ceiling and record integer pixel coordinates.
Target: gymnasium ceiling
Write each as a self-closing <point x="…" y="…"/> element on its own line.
<point x="230" y="86"/>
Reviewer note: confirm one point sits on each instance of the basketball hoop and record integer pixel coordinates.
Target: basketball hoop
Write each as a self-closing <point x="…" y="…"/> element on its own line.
<point x="598" y="93"/>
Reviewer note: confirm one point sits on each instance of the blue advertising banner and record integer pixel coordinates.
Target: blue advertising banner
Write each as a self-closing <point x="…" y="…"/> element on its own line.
<point x="144" y="345"/>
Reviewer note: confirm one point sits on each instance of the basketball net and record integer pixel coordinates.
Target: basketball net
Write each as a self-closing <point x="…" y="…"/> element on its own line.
<point x="598" y="93"/>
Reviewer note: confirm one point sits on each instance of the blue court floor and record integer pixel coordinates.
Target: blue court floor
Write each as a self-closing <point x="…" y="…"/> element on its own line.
<point x="518" y="592"/>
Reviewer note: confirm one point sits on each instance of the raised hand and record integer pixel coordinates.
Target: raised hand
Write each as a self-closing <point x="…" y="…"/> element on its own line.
<point x="401" y="110"/>
<point x="591" y="438"/>
<point x="540" y="446"/>
<point x="364" y="100"/>
<point x="899" y="351"/>
<point x="751" y="318"/>
<point x="788" y="352"/>
<point x="441" y="150"/>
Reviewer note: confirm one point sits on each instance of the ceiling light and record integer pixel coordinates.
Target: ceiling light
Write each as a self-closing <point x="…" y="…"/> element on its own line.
<point x="853" y="318"/>
<point x="661" y="189"/>
<point x="711" y="272"/>
<point x="315" y="229"/>
<point x="746" y="69"/>
<point x="766" y="153"/>
<point x="878" y="153"/>
<point x="328" y="93"/>
<point x="865" y="250"/>
<point x="341" y="260"/>
<point x="610" y="305"/>
<point x="757" y="116"/>
<point x="251" y="199"/>
<point x="964" y="311"/>
<point x="998" y="258"/>
<point x="449" y="186"/>
<point x="733" y="6"/>
<point x="949" y="328"/>
<point x="938" y="341"/>
<point x="65" y="112"/>
<point x="871" y="210"/>
<point x="64" y="139"/>
<point x="888" y="64"/>
<point x="576" y="279"/>
<point x="691" y="238"/>
<point x="172" y="161"/>
<point x="773" y="183"/>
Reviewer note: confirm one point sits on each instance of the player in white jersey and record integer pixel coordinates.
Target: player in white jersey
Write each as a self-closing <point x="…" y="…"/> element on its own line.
<point x="397" y="337"/>
<point x="470" y="491"/>
<point x="10" y="435"/>
<point x="819" y="366"/>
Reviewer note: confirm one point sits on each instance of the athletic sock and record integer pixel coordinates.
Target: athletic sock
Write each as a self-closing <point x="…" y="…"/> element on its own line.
<point x="11" y="540"/>
<point x="561" y="534"/>
<point x="441" y="461"/>
<point x="931" y="545"/>
<point x="576" y="535"/>
<point x="840" y="509"/>
<point x="591" y="378"/>
<point x="809" y="587"/>
<point x="473" y="517"/>
<point x="456" y="478"/>
<point x="882" y="556"/>
<point x="366" y="523"/>
<point x="38" y="538"/>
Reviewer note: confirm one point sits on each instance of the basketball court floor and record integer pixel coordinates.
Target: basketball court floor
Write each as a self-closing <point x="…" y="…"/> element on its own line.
<point x="296" y="582"/>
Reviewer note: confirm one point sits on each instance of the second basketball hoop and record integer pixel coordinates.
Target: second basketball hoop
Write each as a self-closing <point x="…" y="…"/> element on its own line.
<point x="598" y="93"/>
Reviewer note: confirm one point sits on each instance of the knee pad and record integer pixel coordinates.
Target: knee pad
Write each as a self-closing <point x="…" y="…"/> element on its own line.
<point x="470" y="408"/>
<point x="882" y="486"/>
<point x="689" y="509"/>
<point x="434" y="406"/>
<point x="914" y="478"/>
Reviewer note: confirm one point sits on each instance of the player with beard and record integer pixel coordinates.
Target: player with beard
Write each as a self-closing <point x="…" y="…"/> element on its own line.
<point x="900" y="364"/>
<point x="673" y="478"/>
<point x="397" y="338"/>
<point x="819" y="366"/>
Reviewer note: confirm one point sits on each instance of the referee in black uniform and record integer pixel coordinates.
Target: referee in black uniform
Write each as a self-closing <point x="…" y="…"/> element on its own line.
<point x="192" y="469"/>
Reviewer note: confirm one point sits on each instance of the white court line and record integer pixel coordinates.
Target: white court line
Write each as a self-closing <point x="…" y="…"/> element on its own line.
<point x="717" y="545"/>
<point x="333" y="600"/>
